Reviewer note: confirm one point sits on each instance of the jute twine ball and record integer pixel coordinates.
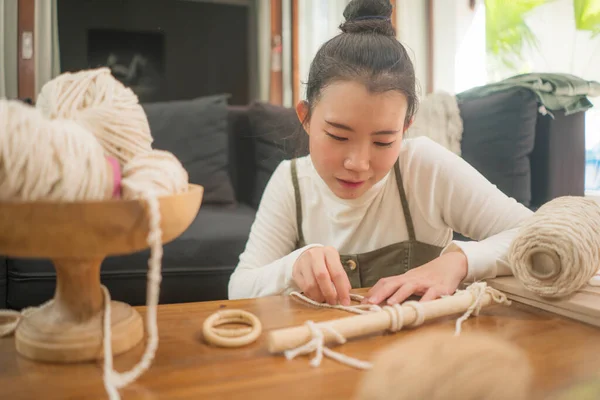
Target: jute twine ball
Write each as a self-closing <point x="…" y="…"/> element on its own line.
<point x="557" y="250"/>
<point x="440" y="366"/>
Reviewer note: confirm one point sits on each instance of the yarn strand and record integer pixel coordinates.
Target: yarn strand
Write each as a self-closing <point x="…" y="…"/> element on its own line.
<point x="317" y="344"/>
<point x="114" y="380"/>
<point x="396" y="313"/>
<point x="357" y="309"/>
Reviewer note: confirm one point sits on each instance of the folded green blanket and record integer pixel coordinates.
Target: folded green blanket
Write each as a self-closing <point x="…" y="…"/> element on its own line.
<point x="556" y="91"/>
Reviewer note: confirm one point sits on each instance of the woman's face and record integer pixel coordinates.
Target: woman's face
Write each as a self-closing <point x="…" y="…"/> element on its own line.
<point x="354" y="136"/>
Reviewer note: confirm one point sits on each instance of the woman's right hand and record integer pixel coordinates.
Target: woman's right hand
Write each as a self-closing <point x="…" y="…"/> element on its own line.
<point x="318" y="272"/>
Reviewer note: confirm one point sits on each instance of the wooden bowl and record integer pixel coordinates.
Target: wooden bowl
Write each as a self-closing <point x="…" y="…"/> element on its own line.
<point x="77" y="236"/>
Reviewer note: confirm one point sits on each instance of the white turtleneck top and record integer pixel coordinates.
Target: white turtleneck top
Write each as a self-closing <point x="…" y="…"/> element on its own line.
<point x="444" y="193"/>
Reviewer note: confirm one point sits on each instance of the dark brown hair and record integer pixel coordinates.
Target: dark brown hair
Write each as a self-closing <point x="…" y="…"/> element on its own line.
<point x="366" y="51"/>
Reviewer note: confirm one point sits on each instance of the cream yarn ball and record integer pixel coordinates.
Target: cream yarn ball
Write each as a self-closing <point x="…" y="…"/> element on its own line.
<point x="557" y="250"/>
<point x="157" y="171"/>
<point x="42" y="159"/>
<point x="100" y="103"/>
<point x="439" y="366"/>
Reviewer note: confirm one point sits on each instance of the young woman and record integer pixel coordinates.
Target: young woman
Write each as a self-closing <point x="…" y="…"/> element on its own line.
<point x="367" y="208"/>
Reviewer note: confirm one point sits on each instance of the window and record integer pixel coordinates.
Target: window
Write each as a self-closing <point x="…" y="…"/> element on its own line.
<point x="319" y="21"/>
<point x="535" y="36"/>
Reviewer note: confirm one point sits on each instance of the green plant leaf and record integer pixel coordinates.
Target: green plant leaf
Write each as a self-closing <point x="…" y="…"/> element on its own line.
<point x="587" y="15"/>
<point x="506" y="29"/>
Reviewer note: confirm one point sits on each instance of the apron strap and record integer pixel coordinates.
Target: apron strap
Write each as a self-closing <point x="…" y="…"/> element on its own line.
<point x="298" y="204"/>
<point x="409" y="223"/>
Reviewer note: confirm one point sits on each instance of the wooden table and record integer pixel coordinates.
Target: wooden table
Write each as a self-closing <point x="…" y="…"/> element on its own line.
<point x="563" y="352"/>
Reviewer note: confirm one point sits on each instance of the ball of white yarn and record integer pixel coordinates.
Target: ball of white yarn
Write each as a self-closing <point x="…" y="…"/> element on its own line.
<point x="57" y="151"/>
<point x="48" y="160"/>
<point x="158" y="172"/>
<point x="103" y="105"/>
<point x="557" y="250"/>
<point x="438" y="366"/>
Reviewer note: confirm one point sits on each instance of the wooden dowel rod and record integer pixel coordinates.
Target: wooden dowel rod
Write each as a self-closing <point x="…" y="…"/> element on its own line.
<point x="376" y="322"/>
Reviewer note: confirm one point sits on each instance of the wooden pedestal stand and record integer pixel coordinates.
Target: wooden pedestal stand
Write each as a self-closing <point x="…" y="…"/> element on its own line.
<point x="77" y="236"/>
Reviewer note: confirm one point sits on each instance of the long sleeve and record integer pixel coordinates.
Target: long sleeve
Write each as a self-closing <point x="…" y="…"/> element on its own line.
<point x="265" y="266"/>
<point x="460" y="197"/>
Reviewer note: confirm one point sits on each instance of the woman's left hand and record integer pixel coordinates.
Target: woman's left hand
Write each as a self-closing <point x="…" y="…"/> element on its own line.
<point x="432" y="280"/>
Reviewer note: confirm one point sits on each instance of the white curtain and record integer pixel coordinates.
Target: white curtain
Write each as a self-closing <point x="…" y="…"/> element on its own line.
<point x="8" y="49"/>
<point x="412" y="27"/>
<point x="262" y="27"/>
<point x="319" y="21"/>
<point x="46" y="49"/>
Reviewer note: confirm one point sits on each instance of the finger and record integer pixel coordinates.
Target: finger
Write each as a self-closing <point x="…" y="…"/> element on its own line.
<point x="431" y="294"/>
<point x="321" y="274"/>
<point x="374" y="289"/>
<point x="402" y="293"/>
<point x="381" y="283"/>
<point x="311" y="288"/>
<point x="384" y="288"/>
<point x="338" y="276"/>
<point x="297" y="274"/>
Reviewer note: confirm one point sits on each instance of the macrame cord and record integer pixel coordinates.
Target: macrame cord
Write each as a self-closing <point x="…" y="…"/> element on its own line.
<point x="114" y="380"/>
<point x="317" y="344"/>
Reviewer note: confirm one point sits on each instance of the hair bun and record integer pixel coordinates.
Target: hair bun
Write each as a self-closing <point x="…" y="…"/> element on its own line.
<point x="368" y="16"/>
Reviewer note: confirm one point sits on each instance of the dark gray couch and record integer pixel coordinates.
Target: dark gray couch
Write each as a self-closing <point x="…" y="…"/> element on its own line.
<point x="233" y="151"/>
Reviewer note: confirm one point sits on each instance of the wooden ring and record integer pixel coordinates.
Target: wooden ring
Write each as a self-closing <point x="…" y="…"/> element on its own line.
<point x="231" y="337"/>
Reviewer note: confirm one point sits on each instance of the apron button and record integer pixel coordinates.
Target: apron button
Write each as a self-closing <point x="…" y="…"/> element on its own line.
<point x="351" y="264"/>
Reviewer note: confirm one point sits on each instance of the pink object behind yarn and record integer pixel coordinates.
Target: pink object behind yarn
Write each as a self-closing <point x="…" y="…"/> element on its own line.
<point x="116" y="168"/>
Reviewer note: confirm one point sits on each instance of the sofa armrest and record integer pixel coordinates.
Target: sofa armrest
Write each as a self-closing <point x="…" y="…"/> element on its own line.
<point x="3" y="282"/>
<point x="558" y="157"/>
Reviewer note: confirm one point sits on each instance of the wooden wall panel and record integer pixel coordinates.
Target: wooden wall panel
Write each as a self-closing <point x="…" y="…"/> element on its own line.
<point x="26" y="63"/>
<point x="276" y="75"/>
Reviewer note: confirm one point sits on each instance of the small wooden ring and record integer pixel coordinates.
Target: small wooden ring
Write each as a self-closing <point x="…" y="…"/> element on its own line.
<point x="238" y="332"/>
<point x="231" y="332"/>
<point x="231" y="337"/>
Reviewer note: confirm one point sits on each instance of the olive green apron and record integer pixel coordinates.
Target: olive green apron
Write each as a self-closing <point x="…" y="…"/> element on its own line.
<point x="365" y="269"/>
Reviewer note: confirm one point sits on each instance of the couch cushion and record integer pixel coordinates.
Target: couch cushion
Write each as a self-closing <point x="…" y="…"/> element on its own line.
<point x="195" y="131"/>
<point x="277" y="135"/>
<point x="242" y="168"/>
<point x="195" y="267"/>
<point x="498" y="138"/>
